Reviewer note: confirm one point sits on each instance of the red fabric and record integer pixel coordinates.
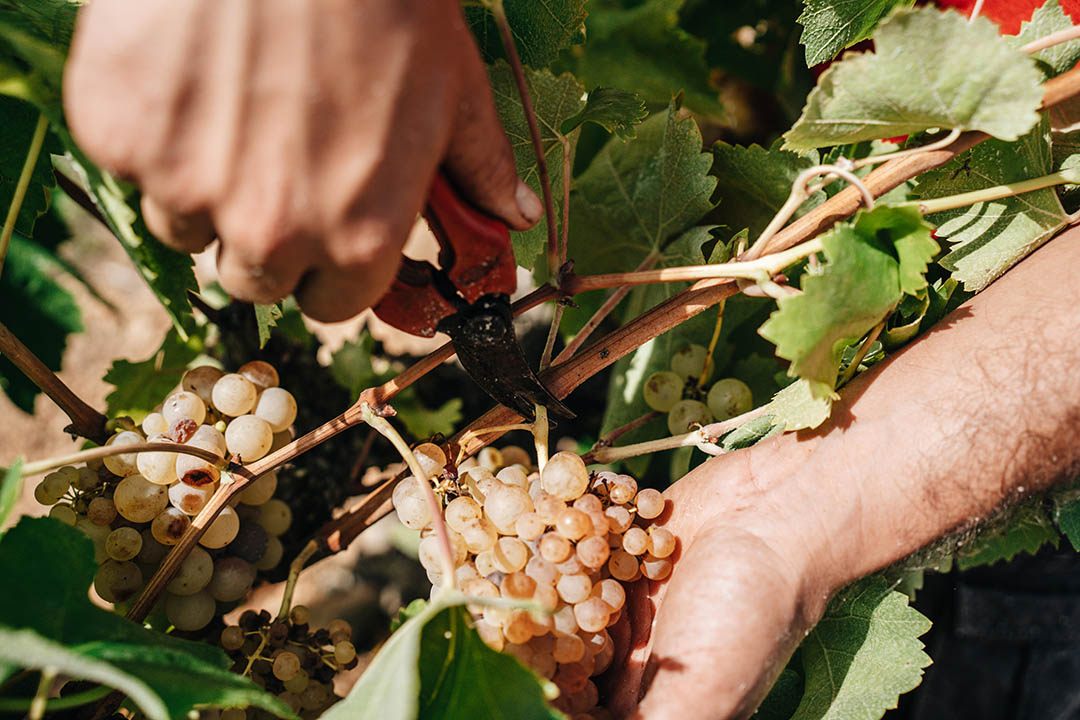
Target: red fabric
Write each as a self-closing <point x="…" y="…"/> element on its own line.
<point x="1010" y="14"/>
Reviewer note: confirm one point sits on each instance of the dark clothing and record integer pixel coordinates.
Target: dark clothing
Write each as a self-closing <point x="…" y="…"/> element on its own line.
<point x="1005" y="642"/>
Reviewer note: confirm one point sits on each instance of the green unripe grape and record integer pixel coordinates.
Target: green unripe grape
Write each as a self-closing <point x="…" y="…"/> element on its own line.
<point x="662" y="390"/>
<point x="688" y="362"/>
<point x="686" y="412"/>
<point x="729" y="397"/>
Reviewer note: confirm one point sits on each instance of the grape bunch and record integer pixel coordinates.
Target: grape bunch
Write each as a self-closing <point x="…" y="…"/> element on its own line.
<point x="134" y="506"/>
<point x="289" y="658"/>
<point x="678" y="393"/>
<point x="565" y="539"/>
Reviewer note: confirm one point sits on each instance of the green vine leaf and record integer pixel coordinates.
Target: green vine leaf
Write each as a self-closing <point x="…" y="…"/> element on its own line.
<point x="754" y="183"/>
<point x="19" y="121"/>
<point x="796" y="408"/>
<point x="864" y="653"/>
<point x="555" y="100"/>
<point x="10" y="489"/>
<point x="1066" y="516"/>
<point x="640" y="45"/>
<point x="870" y="264"/>
<point x="141" y="385"/>
<point x="436" y="667"/>
<point x="541" y="29"/>
<point x="930" y="69"/>
<point x="988" y="238"/>
<point x="829" y="26"/>
<point x="168" y="273"/>
<point x="266" y="317"/>
<point x="37" y="34"/>
<point x="40" y="312"/>
<point x="617" y="111"/>
<point x="49" y="612"/>
<point x="1027" y="529"/>
<point x="1044" y="21"/>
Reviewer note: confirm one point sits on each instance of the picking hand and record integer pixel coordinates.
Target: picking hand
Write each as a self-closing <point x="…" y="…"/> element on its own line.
<point x="304" y="135"/>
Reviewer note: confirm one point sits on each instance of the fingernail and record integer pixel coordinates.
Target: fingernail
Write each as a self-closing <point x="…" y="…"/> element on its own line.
<point x="528" y="203"/>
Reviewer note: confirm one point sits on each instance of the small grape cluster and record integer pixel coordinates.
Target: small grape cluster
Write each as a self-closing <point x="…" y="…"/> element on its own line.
<point x="289" y="658"/>
<point x="564" y="539"/>
<point x="134" y="506"/>
<point x="677" y="393"/>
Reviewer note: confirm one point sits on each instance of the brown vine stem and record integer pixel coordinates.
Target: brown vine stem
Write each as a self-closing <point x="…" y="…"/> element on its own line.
<point x="507" y="35"/>
<point x="295" y="568"/>
<point x="609" y="439"/>
<point x="85" y="420"/>
<point x="894" y="172"/>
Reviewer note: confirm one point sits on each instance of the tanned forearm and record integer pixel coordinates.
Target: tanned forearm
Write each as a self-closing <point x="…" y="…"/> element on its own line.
<point x="982" y="411"/>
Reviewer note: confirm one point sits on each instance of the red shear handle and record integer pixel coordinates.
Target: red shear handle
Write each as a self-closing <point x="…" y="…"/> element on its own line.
<point x="476" y="257"/>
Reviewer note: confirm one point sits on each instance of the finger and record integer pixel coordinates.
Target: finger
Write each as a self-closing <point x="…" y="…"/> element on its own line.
<point x="186" y="232"/>
<point x="723" y="633"/>
<point x="338" y="291"/>
<point x="259" y="274"/>
<point x="479" y="158"/>
<point x="631" y="636"/>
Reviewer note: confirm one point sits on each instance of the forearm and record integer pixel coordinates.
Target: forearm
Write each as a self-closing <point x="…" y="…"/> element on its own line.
<point x="981" y="411"/>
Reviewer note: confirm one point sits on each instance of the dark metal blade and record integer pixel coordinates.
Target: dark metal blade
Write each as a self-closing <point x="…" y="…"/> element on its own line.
<point x="483" y="336"/>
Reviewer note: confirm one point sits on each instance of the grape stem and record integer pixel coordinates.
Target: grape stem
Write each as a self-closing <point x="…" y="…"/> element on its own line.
<point x="384" y="428"/>
<point x="1054" y="38"/>
<point x="706" y="369"/>
<point x="85" y="420"/>
<point x="507" y="35"/>
<point x="496" y="429"/>
<point x="540" y="436"/>
<point x="22" y="184"/>
<point x="703" y="437"/>
<point x="37" y="705"/>
<point x="103" y="452"/>
<point x="863" y="349"/>
<point x="295" y="568"/>
<point x="997" y="192"/>
<point x="943" y="142"/>
<point x="609" y="439"/>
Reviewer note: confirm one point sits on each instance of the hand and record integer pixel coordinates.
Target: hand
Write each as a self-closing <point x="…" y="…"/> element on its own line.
<point x="305" y="134"/>
<point x="749" y="581"/>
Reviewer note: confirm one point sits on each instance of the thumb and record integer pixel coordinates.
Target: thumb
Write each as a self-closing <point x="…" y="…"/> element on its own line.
<point x="479" y="159"/>
<point x="728" y="621"/>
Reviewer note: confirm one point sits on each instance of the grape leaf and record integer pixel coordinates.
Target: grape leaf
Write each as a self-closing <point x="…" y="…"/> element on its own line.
<point x="541" y="29"/>
<point x="829" y="26"/>
<point x="141" y="385"/>
<point x="168" y="273"/>
<point x="10" y="488"/>
<point x="1044" y="21"/>
<point x="988" y="238"/>
<point x="38" y="311"/>
<point x="1027" y="529"/>
<point x="413" y="608"/>
<point x="617" y="111"/>
<point x="636" y="194"/>
<point x="930" y="69"/>
<point x="1066" y="516"/>
<point x="640" y="45"/>
<point x="38" y="33"/>
<point x="753" y="183"/>
<point x="19" y="121"/>
<point x="863" y="654"/>
<point x="435" y="666"/>
<point x="266" y="317"/>
<point x="783" y="698"/>
<point x="55" y="564"/>
<point x="424" y="423"/>
<point x="865" y="275"/>
<point x="796" y="408"/>
<point x="555" y="99"/>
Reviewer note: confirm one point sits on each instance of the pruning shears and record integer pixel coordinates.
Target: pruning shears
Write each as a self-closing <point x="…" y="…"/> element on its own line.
<point x="468" y="297"/>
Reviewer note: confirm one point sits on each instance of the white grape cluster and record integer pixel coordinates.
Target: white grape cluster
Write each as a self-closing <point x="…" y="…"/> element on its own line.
<point x="677" y="393"/>
<point x="565" y="539"/>
<point x="134" y="506"/>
